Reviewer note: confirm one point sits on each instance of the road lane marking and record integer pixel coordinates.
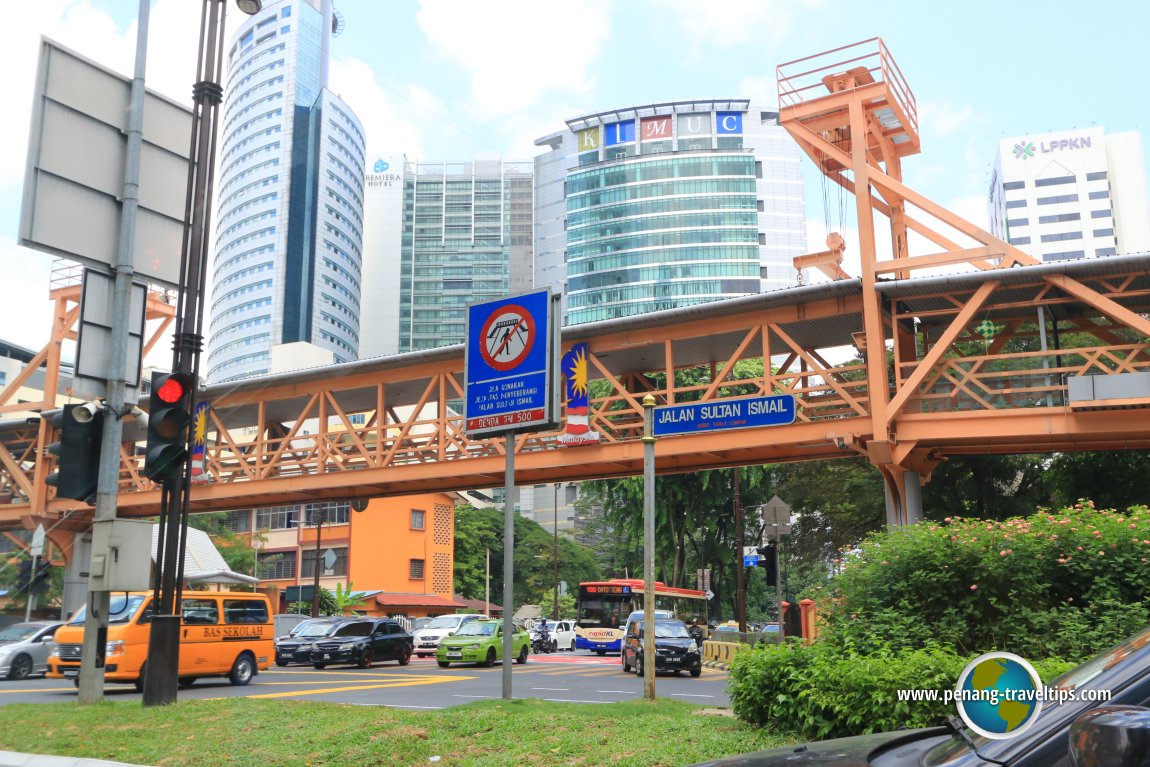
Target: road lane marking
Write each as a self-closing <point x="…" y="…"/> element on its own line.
<point x="553" y="689"/>
<point x="689" y="695"/>
<point x="359" y="687"/>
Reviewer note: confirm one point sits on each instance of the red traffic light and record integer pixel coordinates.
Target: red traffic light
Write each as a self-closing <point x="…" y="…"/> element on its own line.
<point x="173" y="389"/>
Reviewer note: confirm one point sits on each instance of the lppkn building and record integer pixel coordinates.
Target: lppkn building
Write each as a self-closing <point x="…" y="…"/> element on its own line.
<point x="667" y="205"/>
<point x="289" y="226"/>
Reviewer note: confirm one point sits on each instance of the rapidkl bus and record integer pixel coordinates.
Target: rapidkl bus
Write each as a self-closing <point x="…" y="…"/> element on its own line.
<point x="603" y="607"/>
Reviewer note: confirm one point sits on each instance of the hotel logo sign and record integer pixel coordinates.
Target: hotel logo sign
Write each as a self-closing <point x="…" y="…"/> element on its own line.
<point x="379" y="176"/>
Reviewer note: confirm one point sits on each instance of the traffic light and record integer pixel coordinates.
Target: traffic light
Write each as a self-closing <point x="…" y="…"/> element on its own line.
<point x="768" y="559"/>
<point x="169" y="414"/>
<point x="40" y="578"/>
<point x="78" y="451"/>
<point x="23" y="574"/>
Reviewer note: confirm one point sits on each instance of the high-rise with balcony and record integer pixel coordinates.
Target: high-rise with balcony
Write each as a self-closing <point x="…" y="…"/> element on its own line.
<point x="289" y="223"/>
<point x="667" y="205"/>
<point x="1071" y="194"/>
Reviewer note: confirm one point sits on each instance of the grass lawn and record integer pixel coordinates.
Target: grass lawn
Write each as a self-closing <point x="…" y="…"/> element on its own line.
<point x="238" y="732"/>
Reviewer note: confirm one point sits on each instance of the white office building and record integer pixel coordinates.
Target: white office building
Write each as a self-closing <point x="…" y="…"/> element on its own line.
<point x="1071" y="194"/>
<point x="666" y="205"/>
<point x="288" y="256"/>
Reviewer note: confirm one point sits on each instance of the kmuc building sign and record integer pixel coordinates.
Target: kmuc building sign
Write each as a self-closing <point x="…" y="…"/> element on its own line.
<point x="658" y="128"/>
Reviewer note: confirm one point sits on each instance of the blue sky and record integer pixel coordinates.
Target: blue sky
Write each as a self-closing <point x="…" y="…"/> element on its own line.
<point x="455" y="79"/>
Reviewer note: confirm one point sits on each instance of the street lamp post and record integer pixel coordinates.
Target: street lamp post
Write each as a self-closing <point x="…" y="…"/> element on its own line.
<point x="555" y="557"/>
<point x="164" y="640"/>
<point x="320" y="519"/>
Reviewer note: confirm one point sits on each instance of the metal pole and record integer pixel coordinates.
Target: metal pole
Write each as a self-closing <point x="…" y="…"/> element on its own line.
<point x="508" y="562"/>
<point x="487" y="588"/>
<point x="740" y="569"/>
<point x="320" y="519"/>
<point x="648" y="547"/>
<point x="779" y="577"/>
<point x="91" y="686"/>
<point x="555" y="558"/>
<point x="163" y="645"/>
<point x="31" y="597"/>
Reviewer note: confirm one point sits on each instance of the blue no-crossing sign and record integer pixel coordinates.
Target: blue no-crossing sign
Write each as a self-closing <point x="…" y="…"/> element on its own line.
<point x="510" y="364"/>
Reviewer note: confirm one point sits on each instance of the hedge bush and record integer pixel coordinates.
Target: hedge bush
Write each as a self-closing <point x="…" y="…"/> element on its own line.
<point x="825" y="690"/>
<point x="1056" y="584"/>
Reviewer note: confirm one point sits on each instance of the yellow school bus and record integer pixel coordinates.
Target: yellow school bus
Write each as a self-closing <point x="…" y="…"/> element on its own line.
<point x="222" y="633"/>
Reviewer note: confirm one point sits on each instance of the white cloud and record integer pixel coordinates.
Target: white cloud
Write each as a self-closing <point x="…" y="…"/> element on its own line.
<point x="388" y="125"/>
<point x="945" y="119"/>
<point x="509" y="63"/>
<point x="734" y="22"/>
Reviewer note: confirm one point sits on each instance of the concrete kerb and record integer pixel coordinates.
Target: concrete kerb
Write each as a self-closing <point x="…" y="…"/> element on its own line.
<point x="14" y="759"/>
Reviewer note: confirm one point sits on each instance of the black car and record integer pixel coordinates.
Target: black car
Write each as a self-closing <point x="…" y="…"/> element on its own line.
<point x="1121" y="674"/>
<point x="675" y="649"/>
<point x="296" y="648"/>
<point x="362" y="643"/>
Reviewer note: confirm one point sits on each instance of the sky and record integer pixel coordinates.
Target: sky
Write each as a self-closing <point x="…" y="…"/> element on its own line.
<point x="452" y="80"/>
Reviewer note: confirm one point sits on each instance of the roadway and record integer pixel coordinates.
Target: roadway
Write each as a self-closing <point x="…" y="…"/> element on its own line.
<point x="422" y="685"/>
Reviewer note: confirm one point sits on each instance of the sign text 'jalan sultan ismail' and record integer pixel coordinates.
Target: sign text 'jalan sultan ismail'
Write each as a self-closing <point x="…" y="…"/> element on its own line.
<point x="742" y="413"/>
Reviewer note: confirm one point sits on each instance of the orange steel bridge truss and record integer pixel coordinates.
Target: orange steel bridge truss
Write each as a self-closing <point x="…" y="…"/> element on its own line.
<point x="974" y="362"/>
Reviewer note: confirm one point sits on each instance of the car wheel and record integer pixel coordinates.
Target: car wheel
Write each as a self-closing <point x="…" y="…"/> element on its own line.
<point x="490" y="659"/>
<point x="572" y="647"/>
<point x="186" y="681"/>
<point x="76" y="681"/>
<point x="554" y="645"/>
<point x="443" y="663"/>
<point x="139" y="682"/>
<point x="281" y="663"/>
<point x="21" y="667"/>
<point x="404" y="656"/>
<point x="638" y="666"/>
<point x="522" y="656"/>
<point x="600" y="653"/>
<point x="421" y="655"/>
<point x="696" y="672"/>
<point x="320" y="666"/>
<point x="365" y="660"/>
<point x="242" y="671"/>
<point x="626" y="665"/>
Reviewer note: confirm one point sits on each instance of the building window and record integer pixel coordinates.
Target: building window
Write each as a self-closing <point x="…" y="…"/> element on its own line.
<point x="1017" y="222"/>
<point x="1060" y="198"/>
<point x="1062" y="236"/>
<point x="1093" y="214"/>
<point x="334" y="513"/>
<point x="1059" y="218"/>
<point x="1096" y="176"/>
<point x="1103" y="232"/>
<point x="415" y="570"/>
<point x="307" y="567"/>
<point x="1014" y="185"/>
<point x="239" y="521"/>
<point x="1019" y="240"/>
<point x="1015" y="204"/>
<point x="418" y="519"/>
<point x="1105" y="252"/>
<point x="277" y="566"/>
<point x="1064" y="255"/>
<point x="277" y="518"/>
<point x="1054" y="181"/>
<point x="1103" y="195"/>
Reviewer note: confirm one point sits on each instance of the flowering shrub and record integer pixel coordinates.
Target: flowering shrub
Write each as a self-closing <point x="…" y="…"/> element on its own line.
<point x="1064" y="584"/>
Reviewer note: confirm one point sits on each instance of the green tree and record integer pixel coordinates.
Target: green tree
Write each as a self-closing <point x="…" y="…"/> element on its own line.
<point x="1115" y="479"/>
<point x="346" y="601"/>
<point x="235" y="549"/>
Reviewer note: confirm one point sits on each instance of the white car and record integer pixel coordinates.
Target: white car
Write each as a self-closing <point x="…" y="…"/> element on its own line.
<point x="562" y="634"/>
<point x="427" y="638"/>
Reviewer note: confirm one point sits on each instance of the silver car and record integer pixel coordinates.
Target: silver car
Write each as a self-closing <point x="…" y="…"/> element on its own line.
<point x="24" y="648"/>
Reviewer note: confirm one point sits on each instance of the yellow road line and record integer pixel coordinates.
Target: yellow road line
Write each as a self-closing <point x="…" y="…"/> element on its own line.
<point x="356" y="688"/>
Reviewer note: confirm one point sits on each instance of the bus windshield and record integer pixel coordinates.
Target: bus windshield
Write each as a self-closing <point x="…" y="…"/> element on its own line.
<point x="606" y="604"/>
<point x="120" y="610"/>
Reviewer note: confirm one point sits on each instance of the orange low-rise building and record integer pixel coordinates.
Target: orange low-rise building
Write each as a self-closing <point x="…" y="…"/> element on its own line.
<point x="398" y="551"/>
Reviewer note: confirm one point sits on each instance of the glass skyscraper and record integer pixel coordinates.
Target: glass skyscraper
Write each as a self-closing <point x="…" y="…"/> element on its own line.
<point x="465" y="236"/>
<point x="289" y="221"/>
<point x="667" y="205"/>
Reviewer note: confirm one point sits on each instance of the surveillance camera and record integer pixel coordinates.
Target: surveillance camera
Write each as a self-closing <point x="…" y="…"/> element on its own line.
<point x="86" y="412"/>
<point x="358" y="504"/>
<point x="141" y="416"/>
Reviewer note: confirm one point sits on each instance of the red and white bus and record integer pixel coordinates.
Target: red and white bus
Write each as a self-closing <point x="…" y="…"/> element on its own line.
<point x="604" y="606"/>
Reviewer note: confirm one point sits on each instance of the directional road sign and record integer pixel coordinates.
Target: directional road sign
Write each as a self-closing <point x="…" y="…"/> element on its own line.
<point x="741" y="413"/>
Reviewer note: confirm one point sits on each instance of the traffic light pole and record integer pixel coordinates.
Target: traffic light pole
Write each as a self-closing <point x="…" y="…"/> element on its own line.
<point x="160" y="676"/>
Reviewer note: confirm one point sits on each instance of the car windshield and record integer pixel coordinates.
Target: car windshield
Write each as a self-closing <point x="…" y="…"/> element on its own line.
<point x="675" y="630"/>
<point x="476" y="629"/>
<point x="443" y="622"/>
<point x="19" y="632"/>
<point x="120" y="609"/>
<point x="317" y="630"/>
